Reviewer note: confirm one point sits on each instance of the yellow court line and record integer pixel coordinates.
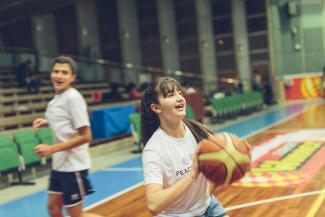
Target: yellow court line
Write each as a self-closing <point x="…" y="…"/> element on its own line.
<point x="315" y="207"/>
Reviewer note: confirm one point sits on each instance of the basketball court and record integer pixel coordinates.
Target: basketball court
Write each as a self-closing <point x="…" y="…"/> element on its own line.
<point x="287" y="178"/>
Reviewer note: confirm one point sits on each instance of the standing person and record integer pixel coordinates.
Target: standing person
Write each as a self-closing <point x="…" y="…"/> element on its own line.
<point x="257" y="82"/>
<point x="33" y="82"/>
<point x="173" y="183"/>
<point x="24" y="70"/>
<point x="67" y="116"/>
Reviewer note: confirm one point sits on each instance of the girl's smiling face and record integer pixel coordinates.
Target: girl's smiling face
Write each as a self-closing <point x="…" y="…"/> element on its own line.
<point x="171" y="102"/>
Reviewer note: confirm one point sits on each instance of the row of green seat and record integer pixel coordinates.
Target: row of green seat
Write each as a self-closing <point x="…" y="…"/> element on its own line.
<point x="233" y="105"/>
<point x="17" y="150"/>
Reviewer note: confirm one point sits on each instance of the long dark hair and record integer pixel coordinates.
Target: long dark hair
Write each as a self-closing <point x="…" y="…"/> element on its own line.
<point x="149" y="119"/>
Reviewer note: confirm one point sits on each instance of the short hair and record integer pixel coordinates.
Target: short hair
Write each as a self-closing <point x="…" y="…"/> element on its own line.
<point x="62" y="59"/>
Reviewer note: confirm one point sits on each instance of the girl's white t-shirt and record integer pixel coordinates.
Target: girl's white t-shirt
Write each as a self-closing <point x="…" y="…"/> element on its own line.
<point x="65" y="113"/>
<point x="165" y="161"/>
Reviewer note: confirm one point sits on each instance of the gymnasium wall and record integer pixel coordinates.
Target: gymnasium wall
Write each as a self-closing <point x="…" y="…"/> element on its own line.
<point x="296" y="35"/>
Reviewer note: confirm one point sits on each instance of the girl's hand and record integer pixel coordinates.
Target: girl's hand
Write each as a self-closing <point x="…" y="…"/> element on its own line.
<point x="195" y="165"/>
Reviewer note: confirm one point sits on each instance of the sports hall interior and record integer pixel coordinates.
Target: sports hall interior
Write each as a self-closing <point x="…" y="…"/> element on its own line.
<point x="250" y="67"/>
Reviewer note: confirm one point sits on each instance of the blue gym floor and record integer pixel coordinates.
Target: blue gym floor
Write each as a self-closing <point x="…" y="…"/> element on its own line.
<point x="113" y="180"/>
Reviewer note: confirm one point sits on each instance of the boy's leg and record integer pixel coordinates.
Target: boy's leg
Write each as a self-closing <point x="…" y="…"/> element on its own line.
<point x="75" y="211"/>
<point x="55" y="198"/>
<point x="55" y="204"/>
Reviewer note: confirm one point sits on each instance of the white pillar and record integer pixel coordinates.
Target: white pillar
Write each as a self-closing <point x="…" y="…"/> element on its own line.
<point x="45" y="40"/>
<point x="206" y="45"/>
<point x="168" y="37"/>
<point x="129" y="37"/>
<point x="87" y="29"/>
<point x="242" y="57"/>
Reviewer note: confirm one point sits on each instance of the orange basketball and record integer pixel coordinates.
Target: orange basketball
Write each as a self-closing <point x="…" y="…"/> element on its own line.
<point x="224" y="158"/>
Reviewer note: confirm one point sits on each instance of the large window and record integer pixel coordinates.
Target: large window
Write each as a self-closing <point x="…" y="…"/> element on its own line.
<point x="258" y="37"/>
<point x="149" y="33"/>
<point x="108" y="30"/>
<point x="185" y="16"/>
<point x="223" y="35"/>
<point x="66" y="27"/>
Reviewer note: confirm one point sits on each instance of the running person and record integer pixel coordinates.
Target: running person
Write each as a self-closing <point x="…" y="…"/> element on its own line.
<point x="173" y="183"/>
<point x="67" y="116"/>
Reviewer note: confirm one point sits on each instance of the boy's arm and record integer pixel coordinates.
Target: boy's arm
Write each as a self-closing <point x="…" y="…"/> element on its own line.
<point x="84" y="136"/>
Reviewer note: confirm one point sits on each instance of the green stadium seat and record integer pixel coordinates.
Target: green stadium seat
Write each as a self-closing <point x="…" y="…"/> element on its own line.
<point x="135" y="120"/>
<point x="220" y="108"/>
<point x="190" y="113"/>
<point x="9" y="157"/>
<point x="45" y="136"/>
<point x="27" y="141"/>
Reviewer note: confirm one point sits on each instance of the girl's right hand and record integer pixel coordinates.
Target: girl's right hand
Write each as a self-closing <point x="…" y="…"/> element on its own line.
<point x="40" y="122"/>
<point x="195" y="165"/>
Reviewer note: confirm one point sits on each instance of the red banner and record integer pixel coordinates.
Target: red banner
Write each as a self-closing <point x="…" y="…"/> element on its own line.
<point x="303" y="87"/>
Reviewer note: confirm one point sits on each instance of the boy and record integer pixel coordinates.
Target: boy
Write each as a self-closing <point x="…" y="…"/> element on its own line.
<point x="67" y="116"/>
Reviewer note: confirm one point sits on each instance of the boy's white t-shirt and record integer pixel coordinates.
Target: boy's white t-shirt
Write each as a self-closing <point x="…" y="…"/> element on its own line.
<point x="65" y="113"/>
<point x="166" y="160"/>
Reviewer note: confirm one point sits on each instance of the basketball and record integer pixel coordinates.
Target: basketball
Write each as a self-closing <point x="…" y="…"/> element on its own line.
<point x="224" y="158"/>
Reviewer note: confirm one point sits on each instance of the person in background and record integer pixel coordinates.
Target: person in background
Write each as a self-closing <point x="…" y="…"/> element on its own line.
<point x="257" y="82"/>
<point x="133" y="91"/>
<point x="114" y="95"/>
<point x="27" y="77"/>
<point x="239" y="87"/>
<point x="23" y="71"/>
<point x="33" y="83"/>
<point x="67" y="116"/>
<point x="189" y="88"/>
<point x="174" y="185"/>
<point x="268" y="95"/>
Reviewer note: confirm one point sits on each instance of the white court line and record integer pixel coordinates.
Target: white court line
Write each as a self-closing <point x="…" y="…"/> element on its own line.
<point x="244" y="205"/>
<point x="113" y="196"/>
<point x="275" y="199"/>
<point x="123" y="169"/>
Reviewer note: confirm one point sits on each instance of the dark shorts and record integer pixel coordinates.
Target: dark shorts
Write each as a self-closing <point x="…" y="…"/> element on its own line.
<point x="73" y="186"/>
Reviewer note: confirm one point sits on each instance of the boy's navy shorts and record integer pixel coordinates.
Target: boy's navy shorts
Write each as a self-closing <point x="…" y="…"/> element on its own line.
<point x="73" y="186"/>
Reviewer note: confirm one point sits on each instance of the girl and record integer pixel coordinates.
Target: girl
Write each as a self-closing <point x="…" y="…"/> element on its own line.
<point x="174" y="185"/>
